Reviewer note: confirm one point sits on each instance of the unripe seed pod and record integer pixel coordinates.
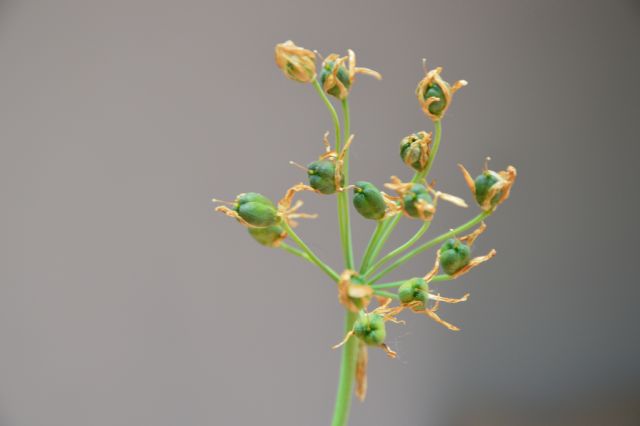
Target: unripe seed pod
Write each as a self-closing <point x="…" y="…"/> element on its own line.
<point x="342" y="74"/>
<point x="322" y="176"/>
<point x="412" y="199"/>
<point x="483" y="184"/>
<point x="370" y="328"/>
<point x="271" y="236"/>
<point x="257" y="210"/>
<point x="454" y="255"/>
<point x="415" y="150"/>
<point x="415" y="289"/>
<point x="368" y="201"/>
<point x="252" y="197"/>
<point x="434" y="90"/>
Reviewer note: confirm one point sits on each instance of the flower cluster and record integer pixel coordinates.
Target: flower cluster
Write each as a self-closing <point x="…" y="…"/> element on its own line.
<point x="271" y="224"/>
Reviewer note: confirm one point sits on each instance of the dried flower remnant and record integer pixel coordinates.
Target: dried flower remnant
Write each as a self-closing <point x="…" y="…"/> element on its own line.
<point x="339" y="73"/>
<point x="490" y="189"/>
<point x="297" y="63"/>
<point x="434" y="94"/>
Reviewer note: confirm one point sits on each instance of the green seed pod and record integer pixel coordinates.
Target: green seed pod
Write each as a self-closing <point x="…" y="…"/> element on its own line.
<point x="368" y="201"/>
<point x="322" y="176"/>
<point x="415" y="150"/>
<point x="412" y="199"/>
<point x="454" y="255"/>
<point x="257" y="210"/>
<point x="271" y="236"/>
<point x="342" y="75"/>
<point x="252" y="197"/>
<point x="370" y="328"/>
<point x="415" y="289"/>
<point x="483" y="185"/>
<point x="435" y="90"/>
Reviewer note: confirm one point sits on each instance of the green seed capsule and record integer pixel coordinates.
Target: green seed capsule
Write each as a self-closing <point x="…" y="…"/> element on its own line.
<point x="252" y="197"/>
<point x="343" y="76"/>
<point x="415" y="150"/>
<point x="257" y="210"/>
<point x="415" y="289"/>
<point x="418" y="192"/>
<point x="433" y="90"/>
<point x="483" y="184"/>
<point x="322" y="176"/>
<point x="271" y="236"/>
<point x="368" y="201"/>
<point x="370" y="328"/>
<point x="454" y="255"/>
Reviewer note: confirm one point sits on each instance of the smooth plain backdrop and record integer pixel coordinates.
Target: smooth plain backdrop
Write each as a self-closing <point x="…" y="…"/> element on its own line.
<point x="126" y="301"/>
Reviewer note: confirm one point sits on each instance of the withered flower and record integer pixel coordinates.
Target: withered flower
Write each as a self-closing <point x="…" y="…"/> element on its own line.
<point x="415" y="150"/>
<point x="339" y="73"/>
<point x="434" y="94"/>
<point x="490" y="188"/>
<point x="297" y="63"/>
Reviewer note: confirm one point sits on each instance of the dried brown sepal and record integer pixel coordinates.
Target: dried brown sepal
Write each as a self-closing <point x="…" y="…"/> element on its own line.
<point x="234" y="214"/>
<point x="473" y="263"/>
<point x="436" y="267"/>
<point x="393" y="205"/>
<point x="439" y="298"/>
<point x="288" y="212"/>
<point x="361" y="371"/>
<point x="340" y="163"/>
<point x="353" y="296"/>
<point x="470" y="238"/>
<point x="346" y="338"/>
<point x="387" y="350"/>
<point x="297" y="63"/>
<point x="433" y="77"/>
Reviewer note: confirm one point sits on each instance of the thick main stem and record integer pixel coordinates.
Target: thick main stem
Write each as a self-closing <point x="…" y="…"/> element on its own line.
<point x="343" y="196"/>
<point x="347" y="375"/>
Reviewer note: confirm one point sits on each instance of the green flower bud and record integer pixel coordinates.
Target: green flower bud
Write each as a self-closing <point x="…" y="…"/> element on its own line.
<point x="322" y="176"/>
<point x="256" y="209"/>
<point x="414" y="200"/>
<point x="454" y="255"/>
<point x="415" y="150"/>
<point x="415" y="289"/>
<point x="370" y="328"/>
<point x="271" y="236"/>
<point x="368" y="201"/>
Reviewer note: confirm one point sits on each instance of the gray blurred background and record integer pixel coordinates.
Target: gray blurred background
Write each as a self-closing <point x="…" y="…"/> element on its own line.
<point x="126" y="301"/>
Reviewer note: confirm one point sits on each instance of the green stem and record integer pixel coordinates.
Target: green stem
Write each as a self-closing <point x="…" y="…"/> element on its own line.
<point x="350" y="349"/>
<point x="425" y="226"/>
<point x="332" y="112"/>
<point x="388" y="285"/>
<point x="386" y="294"/>
<point x="347" y="374"/>
<point x="366" y="258"/>
<point x="343" y="195"/>
<point x="312" y="256"/>
<point x="286" y="247"/>
<point x="470" y="224"/>
<point x="394" y="284"/>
